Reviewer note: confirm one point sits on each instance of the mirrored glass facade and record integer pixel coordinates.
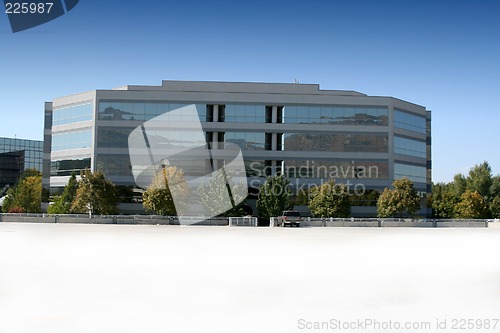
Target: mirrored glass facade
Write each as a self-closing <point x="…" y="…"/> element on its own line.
<point x="308" y="133"/>
<point x="409" y="121"/>
<point x="410" y="147"/>
<point x="77" y="139"/>
<point x="16" y="156"/>
<point x="33" y="151"/>
<point x="67" y="167"/>
<point x="246" y="140"/>
<point x="335" y="115"/>
<point x="73" y="114"/>
<point x="377" y="143"/>
<point x="417" y="174"/>
<point x="243" y="113"/>
<point x="320" y="169"/>
<point x="127" y="110"/>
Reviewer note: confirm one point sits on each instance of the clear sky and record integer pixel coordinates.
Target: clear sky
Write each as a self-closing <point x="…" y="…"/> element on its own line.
<point x="444" y="55"/>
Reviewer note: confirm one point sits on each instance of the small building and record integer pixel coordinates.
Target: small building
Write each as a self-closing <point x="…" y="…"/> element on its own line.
<point x="16" y="156"/>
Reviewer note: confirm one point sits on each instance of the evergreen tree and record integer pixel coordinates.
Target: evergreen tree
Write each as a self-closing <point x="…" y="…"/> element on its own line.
<point x="63" y="203"/>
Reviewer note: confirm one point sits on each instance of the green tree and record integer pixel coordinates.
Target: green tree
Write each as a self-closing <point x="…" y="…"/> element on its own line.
<point x="401" y="200"/>
<point x="443" y="201"/>
<point x="480" y="180"/>
<point x="29" y="194"/>
<point x="495" y="187"/>
<point x="217" y="188"/>
<point x="95" y="194"/>
<point x="158" y="197"/>
<point x="368" y="198"/>
<point x="495" y="208"/>
<point x="472" y="206"/>
<point x="26" y="195"/>
<point x="8" y="202"/>
<point x="330" y="200"/>
<point x="459" y="185"/>
<point x="274" y="197"/>
<point x="63" y="203"/>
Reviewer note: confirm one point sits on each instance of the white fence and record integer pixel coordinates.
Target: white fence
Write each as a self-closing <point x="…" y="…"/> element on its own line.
<point x="247" y="221"/>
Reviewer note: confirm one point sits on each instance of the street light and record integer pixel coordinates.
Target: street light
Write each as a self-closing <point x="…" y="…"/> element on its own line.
<point x="164" y="164"/>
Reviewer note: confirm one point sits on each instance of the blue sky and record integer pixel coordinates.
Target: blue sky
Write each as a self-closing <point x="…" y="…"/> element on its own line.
<point x="440" y="54"/>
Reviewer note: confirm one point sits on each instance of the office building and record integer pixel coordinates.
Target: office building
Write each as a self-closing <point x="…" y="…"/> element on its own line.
<point x="16" y="156"/>
<point x="308" y="133"/>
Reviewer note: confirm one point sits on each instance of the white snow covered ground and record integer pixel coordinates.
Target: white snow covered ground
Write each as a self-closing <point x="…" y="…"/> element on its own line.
<point x="107" y="278"/>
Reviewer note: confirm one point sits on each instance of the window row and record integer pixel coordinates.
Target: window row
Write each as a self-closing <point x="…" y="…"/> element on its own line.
<point x="318" y="169"/>
<point x="242" y="113"/>
<point x="8" y="144"/>
<point x="335" y="115"/>
<point x="417" y="174"/>
<point x="410" y="147"/>
<point x="373" y="143"/>
<point x="121" y="110"/>
<point x="72" y="140"/>
<point x="336" y="169"/>
<point x="67" y="167"/>
<point x="409" y="122"/>
<point x="72" y="114"/>
<point x="114" y="165"/>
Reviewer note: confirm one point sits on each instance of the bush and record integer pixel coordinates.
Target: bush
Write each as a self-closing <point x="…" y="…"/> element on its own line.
<point x="16" y="210"/>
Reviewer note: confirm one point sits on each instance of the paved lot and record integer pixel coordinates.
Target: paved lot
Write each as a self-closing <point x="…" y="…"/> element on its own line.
<point x="107" y="278"/>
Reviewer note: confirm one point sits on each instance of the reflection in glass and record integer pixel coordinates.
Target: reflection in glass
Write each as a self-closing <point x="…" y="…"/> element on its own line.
<point x="410" y="147"/>
<point x="377" y="143"/>
<point x="342" y="169"/>
<point x="126" y="110"/>
<point x="72" y="140"/>
<point x="417" y="174"/>
<point x="72" y="114"/>
<point x="114" y="165"/>
<point x="242" y="113"/>
<point x="369" y="116"/>
<point x="66" y="167"/>
<point x="246" y="140"/>
<point x="409" y="122"/>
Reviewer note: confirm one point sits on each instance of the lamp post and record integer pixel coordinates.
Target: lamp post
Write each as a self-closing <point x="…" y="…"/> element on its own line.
<point x="164" y="165"/>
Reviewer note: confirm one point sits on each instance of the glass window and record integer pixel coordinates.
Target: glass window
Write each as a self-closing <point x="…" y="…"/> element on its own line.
<point x="256" y="168"/>
<point x="114" y="165"/>
<point x="410" y="147"/>
<point x="112" y="137"/>
<point x="67" y="167"/>
<point x="409" y="122"/>
<point x="377" y="143"/>
<point x="243" y="113"/>
<point x="335" y="115"/>
<point x="141" y="111"/>
<point x="327" y="169"/>
<point x="246" y="140"/>
<point x="72" y="114"/>
<point x="72" y="140"/>
<point x="417" y="174"/>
